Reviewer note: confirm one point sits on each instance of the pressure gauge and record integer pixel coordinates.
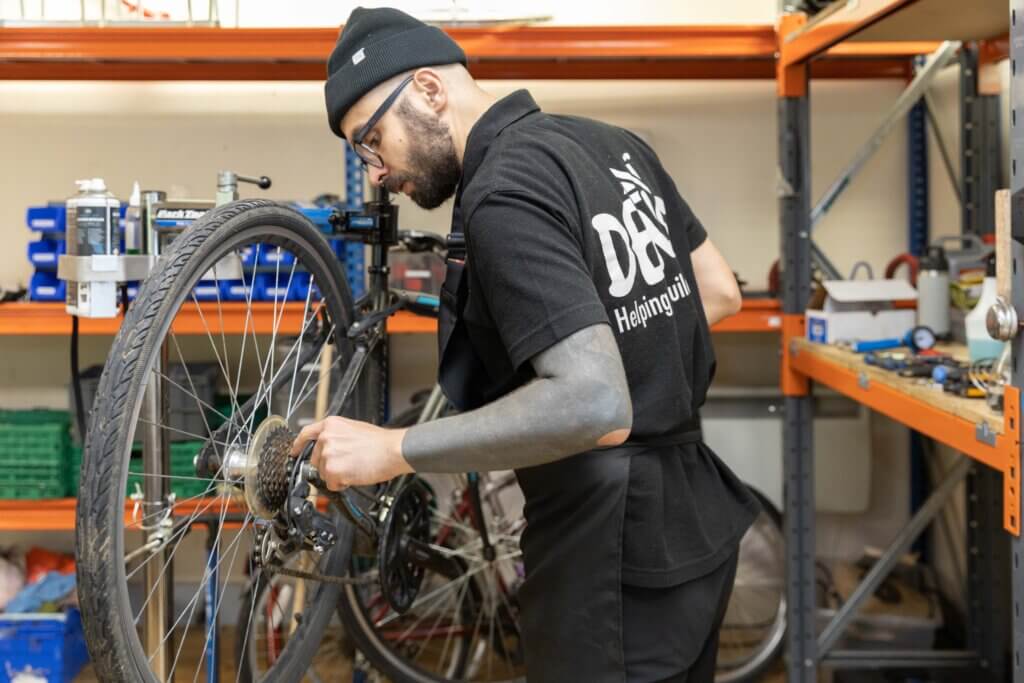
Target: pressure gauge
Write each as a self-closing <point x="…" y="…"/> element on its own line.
<point x="921" y="338"/>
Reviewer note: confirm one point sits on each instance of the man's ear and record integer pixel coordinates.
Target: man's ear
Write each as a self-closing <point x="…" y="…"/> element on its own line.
<point x="431" y="88"/>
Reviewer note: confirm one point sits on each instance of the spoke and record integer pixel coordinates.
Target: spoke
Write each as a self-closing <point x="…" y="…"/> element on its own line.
<point x="248" y="624"/>
<point x="309" y="392"/>
<point x="295" y="371"/>
<point x="457" y="618"/>
<point x="476" y="630"/>
<point x="173" y="539"/>
<point x="212" y="500"/>
<point x="220" y="593"/>
<point x="209" y="335"/>
<point x="185" y="526"/>
<point x="220" y="316"/>
<point x="277" y="317"/>
<point x="423" y="615"/>
<point x="195" y="437"/>
<point x="432" y="596"/>
<point x="433" y="627"/>
<point x="200" y="402"/>
<point x="190" y="606"/>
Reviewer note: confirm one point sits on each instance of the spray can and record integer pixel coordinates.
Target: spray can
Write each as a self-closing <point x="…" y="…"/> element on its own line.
<point x="933" y="291"/>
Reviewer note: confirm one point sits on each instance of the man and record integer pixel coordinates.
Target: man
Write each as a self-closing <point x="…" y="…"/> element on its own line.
<point x="575" y="339"/>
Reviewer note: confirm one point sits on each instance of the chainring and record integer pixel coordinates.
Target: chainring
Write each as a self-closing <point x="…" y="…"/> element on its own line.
<point x="408" y="518"/>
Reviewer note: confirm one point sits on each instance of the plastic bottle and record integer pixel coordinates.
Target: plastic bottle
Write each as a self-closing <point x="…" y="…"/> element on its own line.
<point x="979" y="344"/>
<point x="92" y="218"/>
<point x="933" y="291"/>
<point x="133" y="222"/>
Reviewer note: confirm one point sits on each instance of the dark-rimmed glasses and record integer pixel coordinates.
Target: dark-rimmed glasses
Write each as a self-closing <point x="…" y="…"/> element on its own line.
<point x="368" y="154"/>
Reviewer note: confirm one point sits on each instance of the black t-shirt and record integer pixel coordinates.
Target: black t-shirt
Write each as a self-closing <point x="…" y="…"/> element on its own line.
<point x="570" y="223"/>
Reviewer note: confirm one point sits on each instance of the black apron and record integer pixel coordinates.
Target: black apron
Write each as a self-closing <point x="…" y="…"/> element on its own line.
<point x="571" y="600"/>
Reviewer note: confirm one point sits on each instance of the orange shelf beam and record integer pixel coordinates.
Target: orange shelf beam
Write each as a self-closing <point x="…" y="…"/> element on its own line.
<point x="757" y="315"/>
<point x="58" y="514"/>
<point x="835" y="26"/>
<point x="50" y="319"/>
<point x="926" y="417"/>
<point x="572" y="52"/>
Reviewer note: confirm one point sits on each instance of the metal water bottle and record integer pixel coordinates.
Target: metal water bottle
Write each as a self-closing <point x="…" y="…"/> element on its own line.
<point x="933" y="291"/>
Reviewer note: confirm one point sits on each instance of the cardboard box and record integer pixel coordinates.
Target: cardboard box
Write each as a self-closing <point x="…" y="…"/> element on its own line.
<point x="862" y="310"/>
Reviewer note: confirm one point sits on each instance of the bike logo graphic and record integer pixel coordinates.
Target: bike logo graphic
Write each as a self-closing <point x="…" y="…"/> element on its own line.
<point x="641" y="230"/>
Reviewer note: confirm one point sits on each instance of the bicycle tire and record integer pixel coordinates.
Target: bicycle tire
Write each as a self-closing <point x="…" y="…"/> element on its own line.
<point x="109" y="624"/>
<point x="769" y="647"/>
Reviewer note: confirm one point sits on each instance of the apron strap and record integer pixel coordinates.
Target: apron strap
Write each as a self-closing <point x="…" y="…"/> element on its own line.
<point x="688" y="433"/>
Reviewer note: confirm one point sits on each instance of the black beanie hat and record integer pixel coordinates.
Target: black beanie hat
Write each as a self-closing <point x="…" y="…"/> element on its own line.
<point x="375" y="45"/>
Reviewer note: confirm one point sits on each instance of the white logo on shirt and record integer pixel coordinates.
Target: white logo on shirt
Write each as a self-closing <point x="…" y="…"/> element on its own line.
<point x="638" y="229"/>
<point x="645" y="246"/>
<point x="359" y="56"/>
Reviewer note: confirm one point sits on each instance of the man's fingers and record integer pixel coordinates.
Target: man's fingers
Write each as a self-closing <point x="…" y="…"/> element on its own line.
<point x="317" y="458"/>
<point x="308" y="433"/>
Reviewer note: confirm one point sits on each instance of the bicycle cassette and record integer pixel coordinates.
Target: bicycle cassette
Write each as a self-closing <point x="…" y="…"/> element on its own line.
<point x="268" y="471"/>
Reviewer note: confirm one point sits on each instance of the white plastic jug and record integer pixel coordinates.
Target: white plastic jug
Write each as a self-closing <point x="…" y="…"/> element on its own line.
<point x="979" y="344"/>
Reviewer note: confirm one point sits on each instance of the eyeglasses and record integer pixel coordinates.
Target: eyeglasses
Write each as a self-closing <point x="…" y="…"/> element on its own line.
<point x="368" y="154"/>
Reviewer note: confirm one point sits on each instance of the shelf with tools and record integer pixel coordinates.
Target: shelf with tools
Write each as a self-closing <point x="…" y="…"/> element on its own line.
<point x="563" y="52"/>
<point x="965" y="424"/>
<point x="978" y="34"/>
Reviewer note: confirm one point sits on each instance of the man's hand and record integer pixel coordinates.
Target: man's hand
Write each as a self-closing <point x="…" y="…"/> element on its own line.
<point x="353" y="453"/>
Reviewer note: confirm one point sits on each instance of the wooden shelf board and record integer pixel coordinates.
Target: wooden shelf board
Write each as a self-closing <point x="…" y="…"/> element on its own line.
<point x="889" y="21"/>
<point x="948" y="419"/>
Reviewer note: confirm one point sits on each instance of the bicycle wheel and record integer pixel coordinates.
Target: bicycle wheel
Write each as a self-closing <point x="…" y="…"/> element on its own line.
<point x="268" y="609"/>
<point x="753" y="633"/>
<point x="140" y="599"/>
<point x="463" y="625"/>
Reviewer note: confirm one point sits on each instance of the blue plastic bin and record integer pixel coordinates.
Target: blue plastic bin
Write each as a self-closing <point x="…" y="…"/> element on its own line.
<point x="49" y="218"/>
<point x="271" y="255"/>
<point x="50" y="646"/>
<point x="248" y="255"/>
<point x="318" y="216"/>
<point x="207" y="290"/>
<point x="43" y="253"/>
<point x="45" y="286"/>
<point x="235" y="290"/>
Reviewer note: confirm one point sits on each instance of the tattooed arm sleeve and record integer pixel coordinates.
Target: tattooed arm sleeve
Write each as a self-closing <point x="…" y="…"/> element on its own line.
<point x="578" y="401"/>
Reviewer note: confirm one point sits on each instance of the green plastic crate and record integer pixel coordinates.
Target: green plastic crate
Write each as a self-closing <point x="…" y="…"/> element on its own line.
<point x="32" y="491"/>
<point x="34" y="460"/>
<point x="182" y="455"/>
<point x="35" y="417"/>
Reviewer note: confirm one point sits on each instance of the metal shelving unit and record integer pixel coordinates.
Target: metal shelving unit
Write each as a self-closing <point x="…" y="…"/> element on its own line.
<point x="866" y="39"/>
<point x="993" y="440"/>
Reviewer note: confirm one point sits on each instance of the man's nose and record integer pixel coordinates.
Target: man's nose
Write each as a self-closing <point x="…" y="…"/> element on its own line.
<point x="377" y="174"/>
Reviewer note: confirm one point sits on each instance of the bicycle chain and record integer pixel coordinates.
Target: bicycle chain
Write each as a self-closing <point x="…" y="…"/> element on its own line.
<point x="323" y="578"/>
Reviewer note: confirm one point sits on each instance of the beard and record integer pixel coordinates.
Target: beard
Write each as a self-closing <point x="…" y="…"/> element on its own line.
<point x="434" y="169"/>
